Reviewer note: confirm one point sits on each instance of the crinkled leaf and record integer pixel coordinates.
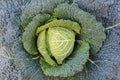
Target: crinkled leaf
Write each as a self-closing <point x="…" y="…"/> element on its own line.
<point x="73" y="65"/>
<point x="107" y="59"/>
<point x="91" y="31"/>
<point x="29" y="38"/>
<point x="35" y="7"/>
<point x="60" y="23"/>
<point x="30" y="69"/>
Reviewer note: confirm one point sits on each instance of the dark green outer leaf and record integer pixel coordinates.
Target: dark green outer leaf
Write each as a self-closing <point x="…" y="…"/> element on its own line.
<point x="30" y="69"/>
<point x="91" y="31"/>
<point x="29" y="38"/>
<point x="35" y="7"/>
<point x="72" y="66"/>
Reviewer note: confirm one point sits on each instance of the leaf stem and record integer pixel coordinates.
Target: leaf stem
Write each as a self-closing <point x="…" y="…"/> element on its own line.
<point x="112" y="26"/>
<point x="37" y="57"/>
<point x="97" y="66"/>
<point x="93" y="62"/>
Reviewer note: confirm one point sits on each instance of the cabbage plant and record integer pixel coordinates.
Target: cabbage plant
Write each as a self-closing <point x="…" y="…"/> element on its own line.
<point x="61" y="35"/>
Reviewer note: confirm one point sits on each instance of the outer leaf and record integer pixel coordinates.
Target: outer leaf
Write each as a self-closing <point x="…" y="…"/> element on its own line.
<point x="29" y="38"/>
<point x="61" y="42"/>
<point x="107" y="59"/>
<point x="72" y="66"/>
<point x="61" y="23"/>
<point x="29" y="68"/>
<point x="42" y="47"/>
<point x="37" y="6"/>
<point x="91" y="31"/>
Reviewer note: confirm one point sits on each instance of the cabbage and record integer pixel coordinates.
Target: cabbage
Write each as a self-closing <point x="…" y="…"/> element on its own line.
<point x="61" y="35"/>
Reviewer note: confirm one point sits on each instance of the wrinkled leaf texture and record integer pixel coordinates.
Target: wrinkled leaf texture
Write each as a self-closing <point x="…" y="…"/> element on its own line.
<point x="28" y="64"/>
<point x="29" y="38"/>
<point x="37" y="6"/>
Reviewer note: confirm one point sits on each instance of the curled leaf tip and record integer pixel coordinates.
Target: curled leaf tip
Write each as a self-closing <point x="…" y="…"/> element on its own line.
<point x="60" y="23"/>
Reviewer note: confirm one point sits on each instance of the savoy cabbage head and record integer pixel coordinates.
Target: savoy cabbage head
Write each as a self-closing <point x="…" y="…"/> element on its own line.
<point x="60" y="35"/>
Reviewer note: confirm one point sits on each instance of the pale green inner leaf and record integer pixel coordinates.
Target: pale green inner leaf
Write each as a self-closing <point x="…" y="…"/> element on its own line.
<point x="42" y="47"/>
